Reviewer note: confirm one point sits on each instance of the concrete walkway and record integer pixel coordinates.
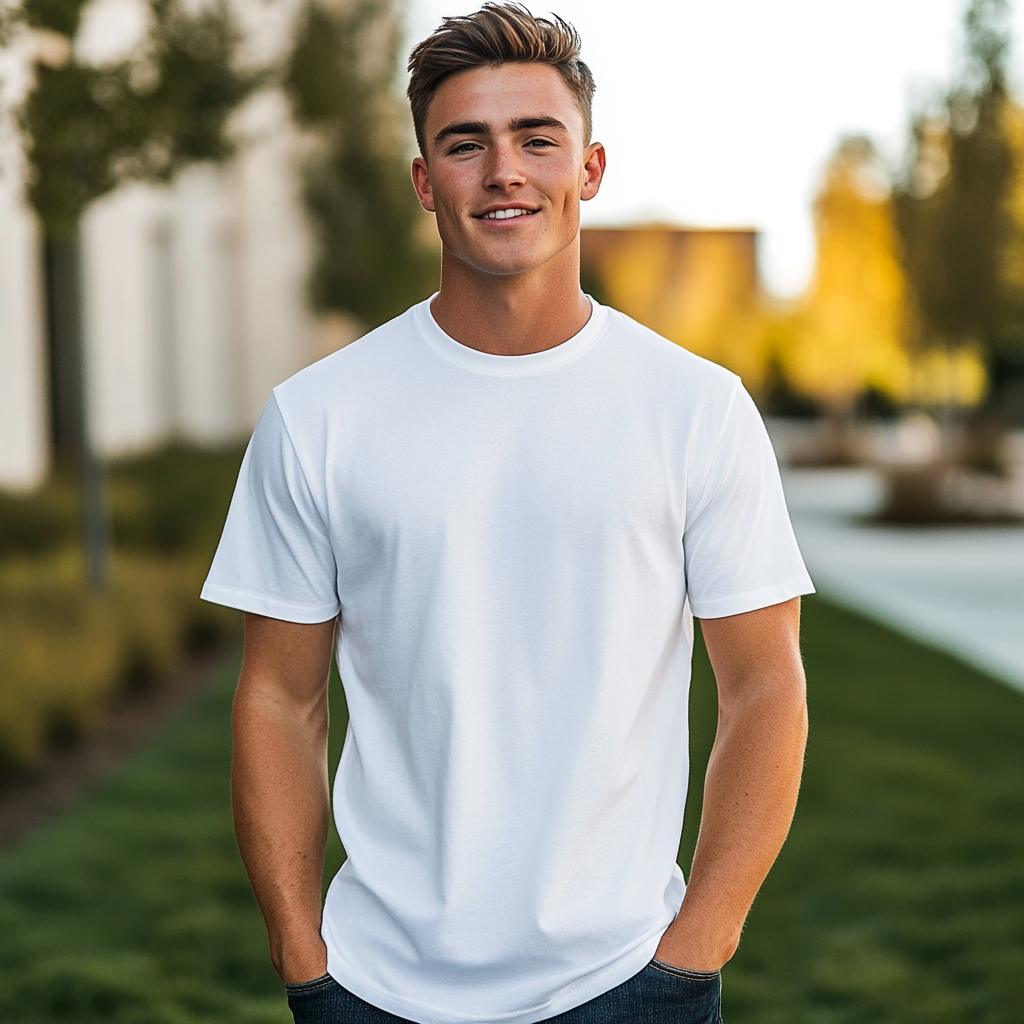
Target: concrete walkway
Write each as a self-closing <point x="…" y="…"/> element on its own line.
<point x="958" y="588"/>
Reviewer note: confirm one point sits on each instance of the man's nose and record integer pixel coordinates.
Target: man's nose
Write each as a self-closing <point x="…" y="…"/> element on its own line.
<point x="505" y="168"/>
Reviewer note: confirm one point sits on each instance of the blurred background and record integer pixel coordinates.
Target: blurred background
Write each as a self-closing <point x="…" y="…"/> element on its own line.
<point x="200" y="197"/>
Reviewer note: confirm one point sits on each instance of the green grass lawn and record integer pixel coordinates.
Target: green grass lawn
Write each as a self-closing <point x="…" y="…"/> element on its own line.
<point x="899" y="897"/>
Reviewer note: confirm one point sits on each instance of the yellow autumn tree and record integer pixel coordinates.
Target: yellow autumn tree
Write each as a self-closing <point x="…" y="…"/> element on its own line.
<point x="850" y="331"/>
<point x="1012" y="257"/>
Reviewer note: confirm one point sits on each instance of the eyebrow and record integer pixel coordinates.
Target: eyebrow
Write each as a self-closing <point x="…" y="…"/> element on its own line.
<point x="518" y="124"/>
<point x="462" y="128"/>
<point x="523" y="123"/>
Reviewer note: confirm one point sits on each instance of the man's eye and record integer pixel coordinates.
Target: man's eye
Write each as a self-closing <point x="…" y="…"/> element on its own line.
<point x="540" y="143"/>
<point x="464" y="147"/>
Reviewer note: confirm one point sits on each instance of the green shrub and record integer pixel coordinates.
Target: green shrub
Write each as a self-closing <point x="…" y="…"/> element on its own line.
<point x="172" y="502"/>
<point x="58" y="654"/>
<point x="63" y="651"/>
<point x="44" y="520"/>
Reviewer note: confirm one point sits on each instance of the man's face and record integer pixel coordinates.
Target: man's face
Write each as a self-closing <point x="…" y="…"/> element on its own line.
<point x="506" y="167"/>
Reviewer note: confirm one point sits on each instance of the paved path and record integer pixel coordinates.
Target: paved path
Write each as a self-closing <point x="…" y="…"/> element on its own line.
<point x="958" y="588"/>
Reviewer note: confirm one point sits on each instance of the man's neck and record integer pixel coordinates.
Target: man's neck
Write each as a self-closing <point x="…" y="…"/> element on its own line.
<point x="513" y="315"/>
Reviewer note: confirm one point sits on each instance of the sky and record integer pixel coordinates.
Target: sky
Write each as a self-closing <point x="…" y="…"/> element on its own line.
<point x="723" y="112"/>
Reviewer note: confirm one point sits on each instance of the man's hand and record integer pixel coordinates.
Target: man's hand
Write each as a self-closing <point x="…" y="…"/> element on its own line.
<point x="279" y="787"/>
<point x="752" y="780"/>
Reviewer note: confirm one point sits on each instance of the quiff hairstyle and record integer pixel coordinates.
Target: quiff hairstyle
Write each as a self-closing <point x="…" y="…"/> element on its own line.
<point x="498" y="33"/>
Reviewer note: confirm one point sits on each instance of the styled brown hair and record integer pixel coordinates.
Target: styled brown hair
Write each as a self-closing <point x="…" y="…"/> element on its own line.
<point x="499" y="33"/>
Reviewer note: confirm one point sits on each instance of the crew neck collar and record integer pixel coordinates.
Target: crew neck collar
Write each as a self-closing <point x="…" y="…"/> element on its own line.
<point x="510" y="366"/>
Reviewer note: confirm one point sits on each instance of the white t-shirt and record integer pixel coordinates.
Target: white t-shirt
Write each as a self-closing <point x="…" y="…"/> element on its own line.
<point x="514" y="544"/>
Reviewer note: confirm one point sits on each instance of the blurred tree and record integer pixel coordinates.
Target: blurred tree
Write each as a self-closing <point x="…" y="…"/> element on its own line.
<point x="953" y="206"/>
<point x="88" y="129"/>
<point x="849" y="334"/>
<point x="1006" y="362"/>
<point x="371" y="258"/>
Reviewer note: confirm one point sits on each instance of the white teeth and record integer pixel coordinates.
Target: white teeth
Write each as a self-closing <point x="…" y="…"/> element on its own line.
<point x="506" y="214"/>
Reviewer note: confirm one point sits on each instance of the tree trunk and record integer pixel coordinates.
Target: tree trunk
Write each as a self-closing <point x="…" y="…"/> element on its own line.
<point x="69" y="398"/>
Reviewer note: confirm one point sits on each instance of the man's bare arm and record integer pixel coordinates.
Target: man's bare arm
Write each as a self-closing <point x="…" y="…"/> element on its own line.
<point x="752" y="779"/>
<point x="279" y="787"/>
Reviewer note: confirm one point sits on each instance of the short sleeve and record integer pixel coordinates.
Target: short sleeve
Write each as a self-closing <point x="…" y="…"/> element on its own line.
<point x="739" y="547"/>
<point x="275" y="556"/>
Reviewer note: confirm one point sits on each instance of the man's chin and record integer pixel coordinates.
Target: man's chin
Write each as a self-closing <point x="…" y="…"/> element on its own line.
<point x="505" y="263"/>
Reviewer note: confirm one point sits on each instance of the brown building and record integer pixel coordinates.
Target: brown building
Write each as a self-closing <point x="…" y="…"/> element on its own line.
<point x="697" y="287"/>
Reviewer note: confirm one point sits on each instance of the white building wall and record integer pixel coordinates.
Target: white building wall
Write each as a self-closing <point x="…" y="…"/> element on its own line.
<point x="274" y="250"/>
<point x="24" y="433"/>
<point x="206" y="399"/>
<point x="194" y="295"/>
<point x="124" y="333"/>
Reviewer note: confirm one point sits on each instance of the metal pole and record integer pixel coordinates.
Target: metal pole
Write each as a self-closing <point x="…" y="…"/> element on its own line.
<point x="94" y="514"/>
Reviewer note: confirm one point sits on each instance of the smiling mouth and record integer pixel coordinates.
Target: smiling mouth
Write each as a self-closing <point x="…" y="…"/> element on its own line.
<point x="507" y="214"/>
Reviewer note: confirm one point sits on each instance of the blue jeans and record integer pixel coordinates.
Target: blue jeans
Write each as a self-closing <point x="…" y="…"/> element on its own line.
<point x="659" y="994"/>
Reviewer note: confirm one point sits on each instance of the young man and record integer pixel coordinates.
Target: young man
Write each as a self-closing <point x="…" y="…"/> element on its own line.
<point x="502" y="510"/>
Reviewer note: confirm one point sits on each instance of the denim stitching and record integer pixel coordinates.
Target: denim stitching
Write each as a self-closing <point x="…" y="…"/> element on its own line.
<point x="309" y="986"/>
<point x="682" y="972"/>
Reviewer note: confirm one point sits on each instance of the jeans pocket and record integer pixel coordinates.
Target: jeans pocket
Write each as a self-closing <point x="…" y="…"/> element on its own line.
<point x="681" y="994"/>
<point x="315" y="1001"/>
<point x="684" y="972"/>
<point x="309" y="986"/>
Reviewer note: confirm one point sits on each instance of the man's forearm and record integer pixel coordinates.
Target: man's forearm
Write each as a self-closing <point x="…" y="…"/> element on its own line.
<point x="750" y="794"/>
<point x="280" y="803"/>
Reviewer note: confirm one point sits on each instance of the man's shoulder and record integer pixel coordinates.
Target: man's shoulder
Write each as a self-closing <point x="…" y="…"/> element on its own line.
<point x="666" y="360"/>
<point x="354" y="367"/>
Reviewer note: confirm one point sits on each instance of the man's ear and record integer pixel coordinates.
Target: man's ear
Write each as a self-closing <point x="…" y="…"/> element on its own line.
<point x="421" y="182"/>
<point x="593" y="170"/>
